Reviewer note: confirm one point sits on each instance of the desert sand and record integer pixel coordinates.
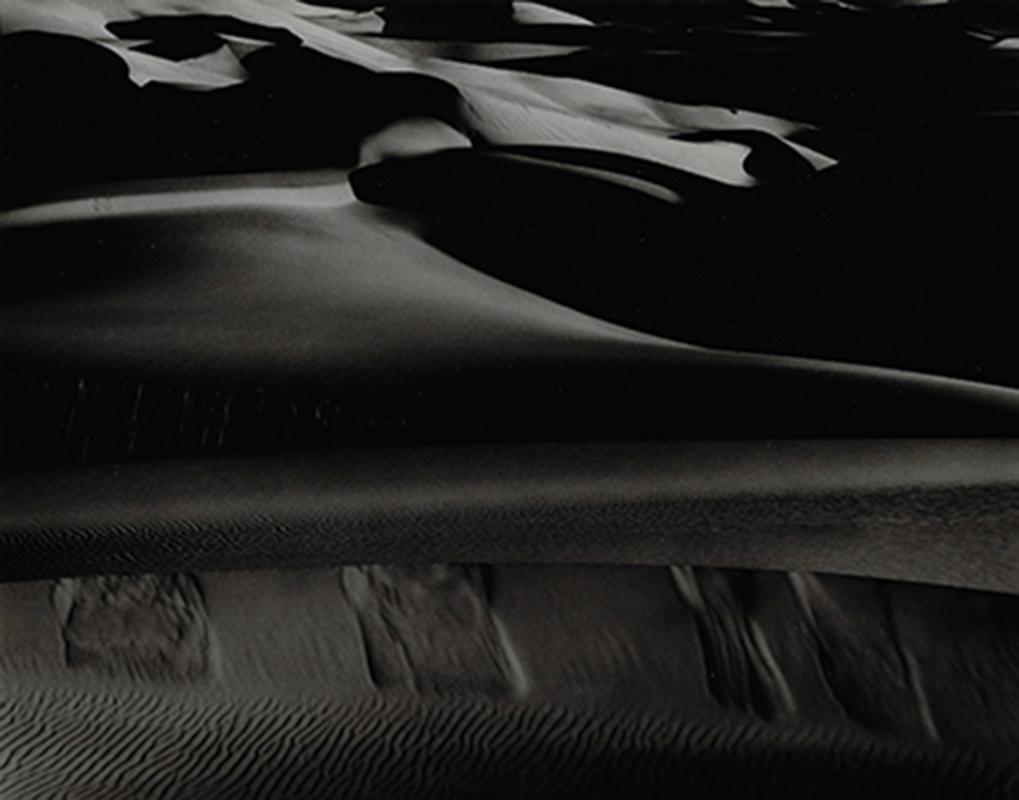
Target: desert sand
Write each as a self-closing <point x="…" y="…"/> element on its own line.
<point x="508" y="399"/>
<point x="444" y="680"/>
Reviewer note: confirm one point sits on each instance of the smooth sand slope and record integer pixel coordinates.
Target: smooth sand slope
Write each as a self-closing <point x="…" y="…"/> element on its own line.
<point x="213" y="321"/>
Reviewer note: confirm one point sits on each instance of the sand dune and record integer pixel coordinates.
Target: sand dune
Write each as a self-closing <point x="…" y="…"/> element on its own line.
<point x="208" y="314"/>
<point x="503" y="106"/>
<point x="936" y="512"/>
<point x="509" y="399"/>
<point x="745" y="262"/>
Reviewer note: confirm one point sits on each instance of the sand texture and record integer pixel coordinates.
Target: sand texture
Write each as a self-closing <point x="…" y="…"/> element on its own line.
<point x="445" y="680"/>
<point x="501" y="399"/>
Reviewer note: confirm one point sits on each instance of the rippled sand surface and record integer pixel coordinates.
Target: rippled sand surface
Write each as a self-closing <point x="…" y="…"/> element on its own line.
<point x="448" y="680"/>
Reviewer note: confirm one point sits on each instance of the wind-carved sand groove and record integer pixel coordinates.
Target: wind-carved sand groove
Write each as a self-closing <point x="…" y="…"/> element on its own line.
<point x="429" y="628"/>
<point x="893" y="659"/>
<point x="860" y="666"/>
<point x="866" y="664"/>
<point x="602" y="633"/>
<point x="741" y="670"/>
<point x="971" y="684"/>
<point x="138" y="627"/>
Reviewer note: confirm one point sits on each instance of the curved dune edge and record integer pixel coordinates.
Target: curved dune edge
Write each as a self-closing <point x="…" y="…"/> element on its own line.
<point x="285" y="284"/>
<point x="233" y="191"/>
<point x="927" y="511"/>
<point x="356" y="281"/>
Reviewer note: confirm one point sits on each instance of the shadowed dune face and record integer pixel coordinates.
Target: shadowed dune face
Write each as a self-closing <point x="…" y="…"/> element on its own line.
<point x="270" y="317"/>
<point x="446" y="680"/>
<point x="815" y="267"/>
<point x="656" y="210"/>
